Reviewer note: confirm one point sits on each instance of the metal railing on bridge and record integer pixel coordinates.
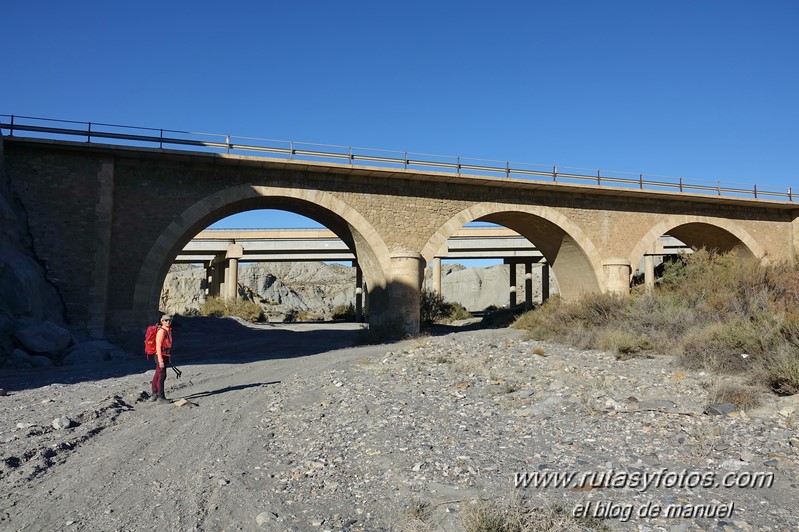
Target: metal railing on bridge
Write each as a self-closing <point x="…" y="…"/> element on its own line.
<point x="304" y="151"/>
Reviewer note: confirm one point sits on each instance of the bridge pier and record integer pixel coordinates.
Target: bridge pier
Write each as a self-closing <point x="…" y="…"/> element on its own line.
<point x="512" y="282"/>
<point x="617" y="275"/>
<point x="405" y="291"/>
<point x="234" y="253"/>
<point x="544" y="281"/>
<point x="437" y="275"/>
<point x="358" y="292"/>
<point x="528" y="285"/>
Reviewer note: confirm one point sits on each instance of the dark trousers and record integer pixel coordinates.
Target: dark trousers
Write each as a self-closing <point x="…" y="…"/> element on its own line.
<point x="160" y="377"/>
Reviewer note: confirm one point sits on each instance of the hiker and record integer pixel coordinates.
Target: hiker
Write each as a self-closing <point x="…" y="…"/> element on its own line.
<point x="163" y="351"/>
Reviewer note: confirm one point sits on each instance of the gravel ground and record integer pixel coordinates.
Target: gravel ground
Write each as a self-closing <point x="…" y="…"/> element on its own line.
<point x="286" y="429"/>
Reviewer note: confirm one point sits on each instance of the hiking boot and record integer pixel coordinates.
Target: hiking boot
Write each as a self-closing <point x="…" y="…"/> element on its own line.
<point x="153" y="397"/>
<point x="161" y="399"/>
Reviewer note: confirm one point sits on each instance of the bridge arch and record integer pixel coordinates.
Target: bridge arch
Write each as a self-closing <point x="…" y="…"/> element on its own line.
<point x="349" y="225"/>
<point x="701" y="231"/>
<point x="569" y="252"/>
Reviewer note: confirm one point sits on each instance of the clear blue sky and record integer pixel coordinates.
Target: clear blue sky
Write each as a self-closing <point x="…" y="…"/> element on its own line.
<point x="692" y="88"/>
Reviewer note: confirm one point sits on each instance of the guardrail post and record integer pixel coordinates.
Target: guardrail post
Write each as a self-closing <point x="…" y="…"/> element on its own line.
<point x="405" y="161"/>
<point x="458" y="165"/>
<point x="681" y="184"/>
<point x="89" y="133"/>
<point x="161" y="140"/>
<point x="641" y="181"/>
<point x="718" y="187"/>
<point x="291" y="150"/>
<point x="598" y="178"/>
<point x="227" y="143"/>
<point x="790" y="194"/>
<point x="755" y="190"/>
<point x="507" y="169"/>
<point x="350" y="155"/>
<point x="555" y="174"/>
<point x="11" y="130"/>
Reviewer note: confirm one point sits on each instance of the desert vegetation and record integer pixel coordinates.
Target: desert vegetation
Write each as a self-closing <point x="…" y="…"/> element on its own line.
<point x="736" y="319"/>
<point x="243" y="308"/>
<point x="435" y="309"/>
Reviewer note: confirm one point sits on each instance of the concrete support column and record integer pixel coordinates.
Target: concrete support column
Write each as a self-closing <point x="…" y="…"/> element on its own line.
<point x="437" y="275"/>
<point x="223" y="279"/>
<point x="365" y="301"/>
<point x="528" y="285"/>
<point x="544" y="282"/>
<point x="209" y="279"/>
<point x="512" y="288"/>
<point x="218" y="271"/>
<point x="234" y="253"/>
<point x="617" y="275"/>
<point x="405" y="291"/>
<point x="358" y="292"/>
<point x="649" y="272"/>
<point x="232" y="280"/>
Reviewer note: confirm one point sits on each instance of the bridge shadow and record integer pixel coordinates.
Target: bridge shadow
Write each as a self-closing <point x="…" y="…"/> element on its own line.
<point x="198" y="341"/>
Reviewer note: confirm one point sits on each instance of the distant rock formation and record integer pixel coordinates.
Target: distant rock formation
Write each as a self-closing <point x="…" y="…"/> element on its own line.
<point x="478" y="288"/>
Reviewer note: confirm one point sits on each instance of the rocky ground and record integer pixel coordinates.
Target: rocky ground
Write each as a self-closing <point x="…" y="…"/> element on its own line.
<point x="286" y="428"/>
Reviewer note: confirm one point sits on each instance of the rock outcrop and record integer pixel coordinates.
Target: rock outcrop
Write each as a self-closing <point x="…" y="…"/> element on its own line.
<point x="479" y="288"/>
<point x="31" y="313"/>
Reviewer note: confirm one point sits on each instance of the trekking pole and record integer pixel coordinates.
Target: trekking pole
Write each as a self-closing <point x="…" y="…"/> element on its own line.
<point x="178" y="373"/>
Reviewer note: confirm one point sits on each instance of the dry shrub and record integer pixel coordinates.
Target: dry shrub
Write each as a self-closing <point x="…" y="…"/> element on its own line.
<point x="743" y="396"/>
<point x="730" y="347"/>
<point x="435" y="309"/>
<point x="514" y="515"/>
<point x="343" y="312"/>
<point x="782" y="372"/>
<point x="626" y="345"/>
<point x="242" y="308"/>
<point x="599" y="309"/>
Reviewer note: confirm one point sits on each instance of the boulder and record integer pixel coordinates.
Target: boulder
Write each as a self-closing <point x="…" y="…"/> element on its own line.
<point x="20" y="359"/>
<point x="38" y="361"/>
<point x="45" y="338"/>
<point x="93" y="352"/>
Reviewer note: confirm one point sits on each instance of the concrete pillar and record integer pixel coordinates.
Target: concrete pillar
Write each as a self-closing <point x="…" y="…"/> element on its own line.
<point x="405" y="291"/>
<point x="209" y="279"/>
<point x="223" y="279"/>
<point x="528" y="285"/>
<point x="512" y="289"/>
<point x="234" y="253"/>
<point x="233" y="279"/>
<point x="617" y="275"/>
<point x="649" y="271"/>
<point x="437" y="275"/>
<point x="358" y="292"/>
<point x="218" y="271"/>
<point x="544" y="282"/>
<point x="365" y="301"/>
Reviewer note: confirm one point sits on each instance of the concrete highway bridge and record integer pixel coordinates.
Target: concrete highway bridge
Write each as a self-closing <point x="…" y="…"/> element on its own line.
<point x="109" y="210"/>
<point x="221" y="251"/>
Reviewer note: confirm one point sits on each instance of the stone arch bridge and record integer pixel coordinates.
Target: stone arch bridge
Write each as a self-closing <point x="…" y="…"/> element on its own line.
<point x="108" y="221"/>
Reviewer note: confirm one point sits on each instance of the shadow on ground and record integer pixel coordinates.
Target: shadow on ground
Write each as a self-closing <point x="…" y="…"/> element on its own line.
<point x="199" y="340"/>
